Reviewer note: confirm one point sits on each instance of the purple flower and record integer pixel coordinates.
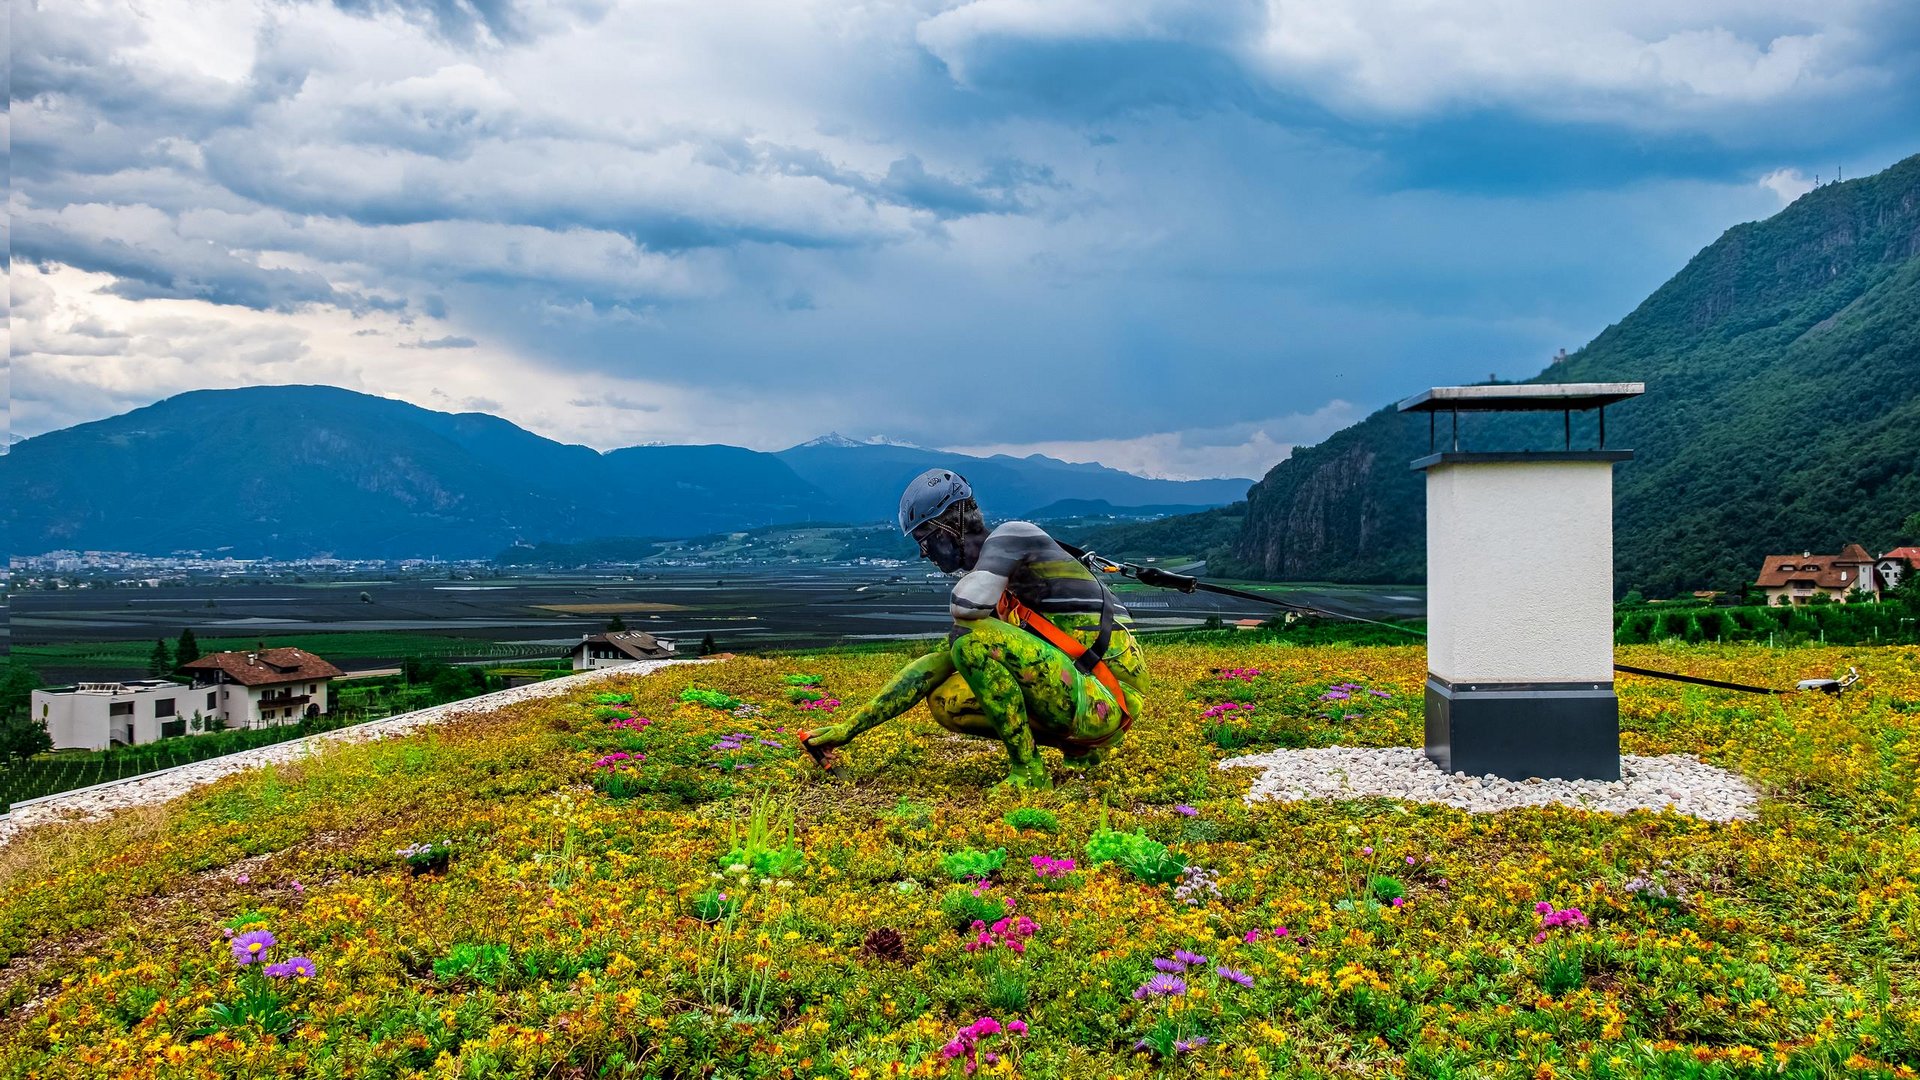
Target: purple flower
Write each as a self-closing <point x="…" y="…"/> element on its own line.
<point x="1185" y="811"/>
<point x="1185" y="1046"/>
<point x="1171" y="967"/>
<point x="1335" y="695"/>
<point x="1234" y="975"/>
<point x="1161" y="986"/>
<point x="298" y="967"/>
<point x="251" y="946"/>
<point x="1191" y="959"/>
<point x="1379" y="693"/>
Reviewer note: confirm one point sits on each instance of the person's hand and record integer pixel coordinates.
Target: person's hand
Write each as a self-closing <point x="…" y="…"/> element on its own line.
<point x="820" y="745"/>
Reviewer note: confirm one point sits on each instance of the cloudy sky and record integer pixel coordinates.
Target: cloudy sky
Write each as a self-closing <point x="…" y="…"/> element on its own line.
<point x="1175" y="237"/>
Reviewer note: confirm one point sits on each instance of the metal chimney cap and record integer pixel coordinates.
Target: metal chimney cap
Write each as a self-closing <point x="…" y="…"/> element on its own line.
<point x="1522" y="397"/>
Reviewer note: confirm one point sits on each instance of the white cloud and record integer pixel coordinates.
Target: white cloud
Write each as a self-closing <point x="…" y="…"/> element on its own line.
<point x="81" y="352"/>
<point x="1787" y="184"/>
<point x="1245" y="450"/>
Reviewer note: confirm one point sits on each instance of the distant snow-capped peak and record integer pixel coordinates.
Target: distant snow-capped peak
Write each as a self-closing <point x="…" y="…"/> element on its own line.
<point x="835" y="439"/>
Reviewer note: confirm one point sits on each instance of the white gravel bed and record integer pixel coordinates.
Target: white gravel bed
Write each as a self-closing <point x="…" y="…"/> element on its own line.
<point x="101" y="800"/>
<point x="1673" y="781"/>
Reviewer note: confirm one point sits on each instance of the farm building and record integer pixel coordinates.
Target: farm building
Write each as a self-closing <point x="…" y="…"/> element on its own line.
<point x="624" y="647"/>
<point x="264" y="687"/>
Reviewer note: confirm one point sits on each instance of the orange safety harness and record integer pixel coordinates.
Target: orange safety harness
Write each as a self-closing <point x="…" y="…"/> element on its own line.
<point x="1083" y="657"/>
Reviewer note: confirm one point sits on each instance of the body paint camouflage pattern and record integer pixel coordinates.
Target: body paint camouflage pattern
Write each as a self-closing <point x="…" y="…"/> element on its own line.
<point x="996" y="680"/>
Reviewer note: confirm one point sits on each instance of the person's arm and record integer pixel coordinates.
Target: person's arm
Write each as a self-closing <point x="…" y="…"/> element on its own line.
<point x="977" y="595"/>
<point x="908" y="687"/>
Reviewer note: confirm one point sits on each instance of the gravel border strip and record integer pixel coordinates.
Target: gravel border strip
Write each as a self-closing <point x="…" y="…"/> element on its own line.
<point x="100" y="800"/>
<point x="1675" y="782"/>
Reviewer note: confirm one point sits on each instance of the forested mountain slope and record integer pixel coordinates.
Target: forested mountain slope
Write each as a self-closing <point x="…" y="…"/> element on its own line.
<point x="1782" y="413"/>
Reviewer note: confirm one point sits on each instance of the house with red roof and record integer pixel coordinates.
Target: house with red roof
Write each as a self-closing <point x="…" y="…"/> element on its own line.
<point x="265" y="686"/>
<point x="1850" y="575"/>
<point x="1796" y="579"/>
<point x="1895" y="565"/>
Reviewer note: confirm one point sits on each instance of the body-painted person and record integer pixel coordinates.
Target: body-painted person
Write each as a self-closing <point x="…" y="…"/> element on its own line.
<point x="1024" y="612"/>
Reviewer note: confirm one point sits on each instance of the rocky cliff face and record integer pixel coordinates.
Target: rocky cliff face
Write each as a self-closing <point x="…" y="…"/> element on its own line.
<point x="1341" y="510"/>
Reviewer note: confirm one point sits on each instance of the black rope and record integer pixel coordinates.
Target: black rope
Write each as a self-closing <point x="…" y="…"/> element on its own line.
<point x="1154" y="576"/>
<point x="1697" y="681"/>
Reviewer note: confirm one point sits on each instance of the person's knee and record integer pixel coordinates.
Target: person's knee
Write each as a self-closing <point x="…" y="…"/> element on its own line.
<point x="974" y="650"/>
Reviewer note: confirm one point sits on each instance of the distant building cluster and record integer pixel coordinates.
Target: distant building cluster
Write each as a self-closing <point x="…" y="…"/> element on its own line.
<point x="87" y="569"/>
<point x="263" y="688"/>
<point x="1850" y="575"/>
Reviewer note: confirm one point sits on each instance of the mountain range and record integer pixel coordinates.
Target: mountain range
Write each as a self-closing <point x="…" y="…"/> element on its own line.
<point x="296" y="471"/>
<point x="1781" y="414"/>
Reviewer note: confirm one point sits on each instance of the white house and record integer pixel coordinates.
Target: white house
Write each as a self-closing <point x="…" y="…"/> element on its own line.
<point x="229" y="690"/>
<point x="612" y="650"/>
<point x="265" y="687"/>
<point x="1897" y="564"/>
<point x="96" y="715"/>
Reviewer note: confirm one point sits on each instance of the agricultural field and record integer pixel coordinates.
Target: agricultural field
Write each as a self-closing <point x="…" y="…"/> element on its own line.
<point x="108" y="633"/>
<point x="648" y="879"/>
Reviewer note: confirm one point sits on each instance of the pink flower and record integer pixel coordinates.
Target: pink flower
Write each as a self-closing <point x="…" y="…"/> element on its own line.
<point x="242" y="880"/>
<point x="1543" y="907"/>
<point x="1252" y="936"/>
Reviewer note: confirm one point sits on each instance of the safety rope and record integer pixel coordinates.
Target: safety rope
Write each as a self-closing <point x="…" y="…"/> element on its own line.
<point x="1158" y="578"/>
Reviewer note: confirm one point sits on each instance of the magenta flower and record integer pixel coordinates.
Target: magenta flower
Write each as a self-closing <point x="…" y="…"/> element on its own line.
<point x="1047" y="866"/>
<point x="1252" y="936"/>
<point x="967" y="1041"/>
